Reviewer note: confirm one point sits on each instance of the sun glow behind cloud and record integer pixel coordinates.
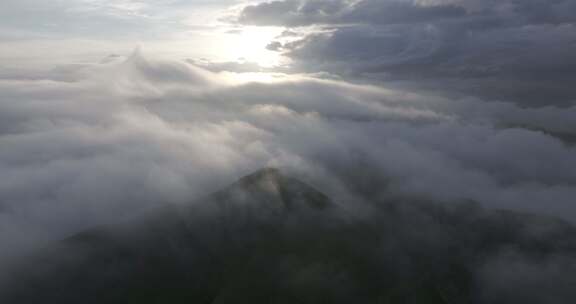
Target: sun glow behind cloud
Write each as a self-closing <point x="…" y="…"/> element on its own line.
<point x="102" y="28"/>
<point x="221" y="44"/>
<point x="249" y="43"/>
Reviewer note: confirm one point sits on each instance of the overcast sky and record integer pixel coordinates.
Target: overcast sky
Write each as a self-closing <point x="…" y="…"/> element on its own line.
<point x="111" y="107"/>
<point x="82" y="30"/>
<point x="510" y="50"/>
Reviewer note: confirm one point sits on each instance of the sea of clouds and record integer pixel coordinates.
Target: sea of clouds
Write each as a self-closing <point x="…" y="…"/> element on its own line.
<point x="84" y="145"/>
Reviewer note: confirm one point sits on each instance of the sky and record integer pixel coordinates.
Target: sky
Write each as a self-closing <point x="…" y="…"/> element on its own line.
<point x="108" y="108"/>
<point x="84" y="30"/>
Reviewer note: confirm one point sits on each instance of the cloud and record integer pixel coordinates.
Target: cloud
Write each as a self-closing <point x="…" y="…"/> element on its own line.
<point x="90" y="144"/>
<point x="498" y="50"/>
<point x="484" y="13"/>
<point x="304" y="13"/>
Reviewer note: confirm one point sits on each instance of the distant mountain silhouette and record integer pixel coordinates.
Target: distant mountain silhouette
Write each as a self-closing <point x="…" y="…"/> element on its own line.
<point x="269" y="238"/>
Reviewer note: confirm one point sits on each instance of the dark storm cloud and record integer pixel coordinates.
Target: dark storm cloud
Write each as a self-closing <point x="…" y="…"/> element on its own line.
<point x="97" y="19"/>
<point x="303" y="13"/>
<point x="520" y="51"/>
<point x="493" y="13"/>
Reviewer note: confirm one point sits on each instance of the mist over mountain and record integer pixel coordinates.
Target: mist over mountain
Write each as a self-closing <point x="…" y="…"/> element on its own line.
<point x="425" y="151"/>
<point x="91" y="145"/>
<point x="269" y="238"/>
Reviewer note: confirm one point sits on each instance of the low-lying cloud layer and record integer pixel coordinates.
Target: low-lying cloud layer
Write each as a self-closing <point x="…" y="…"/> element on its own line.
<point x="521" y="51"/>
<point x="86" y="145"/>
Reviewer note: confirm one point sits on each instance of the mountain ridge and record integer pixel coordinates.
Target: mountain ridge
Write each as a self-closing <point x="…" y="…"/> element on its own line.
<point x="270" y="238"/>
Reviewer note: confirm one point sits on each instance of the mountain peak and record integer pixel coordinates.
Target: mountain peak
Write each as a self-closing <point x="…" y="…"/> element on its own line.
<point x="268" y="174"/>
<point x="269" y="187"/>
